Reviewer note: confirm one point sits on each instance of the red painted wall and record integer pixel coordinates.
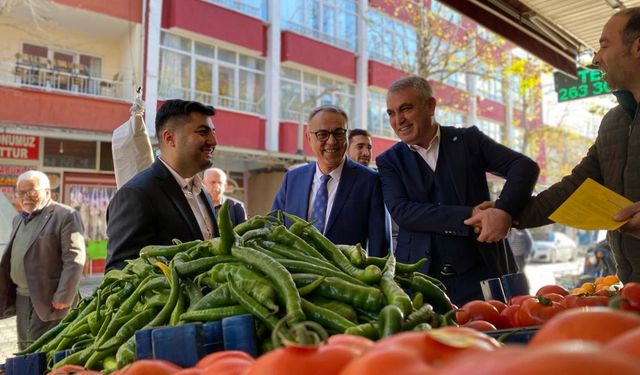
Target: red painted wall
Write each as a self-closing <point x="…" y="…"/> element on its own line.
<point x="490" y="109"/>
<point x="383" y="75"/>
<point x="130" y="10"/>
<point x="381" y="145"/>
<point x="288" y="139"/>
<point x="217" y="22"/>
<point x="316" y="54"/>
<point x="35" y="107"/>
<point x="239" y="130"/>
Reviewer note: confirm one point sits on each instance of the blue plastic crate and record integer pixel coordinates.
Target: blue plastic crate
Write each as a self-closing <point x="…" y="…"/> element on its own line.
<point x="29" y="364"/>
<point x="213" y="338"/>
<point x="182" y="345"/>
<point x="239" y="334"/>
<point x="144" y="345"/>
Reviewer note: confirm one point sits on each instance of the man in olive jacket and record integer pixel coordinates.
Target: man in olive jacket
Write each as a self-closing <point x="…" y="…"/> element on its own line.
<point x="614" y="159"/>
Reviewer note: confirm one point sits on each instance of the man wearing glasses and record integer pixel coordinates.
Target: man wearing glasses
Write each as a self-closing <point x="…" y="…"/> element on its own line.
<point x="341" y="197"/>
<point x="43" y="261"/>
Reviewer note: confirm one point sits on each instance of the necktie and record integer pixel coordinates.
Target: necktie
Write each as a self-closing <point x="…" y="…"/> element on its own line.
<point x="319" y="211"/>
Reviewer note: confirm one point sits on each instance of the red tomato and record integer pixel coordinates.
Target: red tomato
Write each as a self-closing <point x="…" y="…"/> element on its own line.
<point x="517" y="300"/>
<point x="573" y="357"/>
<point x="213" y="358"/>
<point x="477" y="310"/>
<point x="573" y="300"/>
<point x="149" y="367"/>
<point x="499" y="305"/>
<point x="510" y="317"/>
<point x="481" y="325"/>
<point x="537" y="310"/>
<point x="555" y="297"/>
<point x="415" y="353"/>
<point x="590" y="324"/>
<point x="359" y="343"/>
<point x="552" y="289"/>
<point x="190" y="371"/>
<point x="631" y="291"/>
<point x="627" y="343"/>
<point x="310" y="360"/>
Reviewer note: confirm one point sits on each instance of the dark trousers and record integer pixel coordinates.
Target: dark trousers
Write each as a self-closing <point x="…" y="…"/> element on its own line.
<point x="463" y="287"/>
<point x="28" y="323"/>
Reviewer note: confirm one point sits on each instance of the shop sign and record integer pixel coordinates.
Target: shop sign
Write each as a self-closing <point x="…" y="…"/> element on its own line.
<point x="19" y="146"/>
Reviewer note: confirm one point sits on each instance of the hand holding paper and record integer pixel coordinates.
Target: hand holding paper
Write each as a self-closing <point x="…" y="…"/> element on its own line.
<point x="591" y="207"/>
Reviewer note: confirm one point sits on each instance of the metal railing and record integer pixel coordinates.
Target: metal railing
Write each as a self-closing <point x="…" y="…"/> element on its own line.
<point x="51" y="79"/>
<point x="215" y="100"/>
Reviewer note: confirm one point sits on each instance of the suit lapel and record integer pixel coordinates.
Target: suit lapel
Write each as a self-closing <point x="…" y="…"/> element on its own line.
<point x="47" y="212"/>
<point x="306" y="179"/>
<point x="347" y="179"/>
<point x="212" y="212"/>
<point x="175" y="196"/>
<point x="415" y="162"/>
<point x="452" y="148"/>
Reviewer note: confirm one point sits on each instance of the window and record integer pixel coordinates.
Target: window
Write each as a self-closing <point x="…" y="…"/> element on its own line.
<point x="300" y="92"/>
<point x="378" y="120"/>
<point x="490" y="83"/>
<point x="447" y="61"/>
<point x="209" y="74"/>
<point x="391" y="41"/>
<point x="491" y="128"/>
<point x="445" y="12"/>
<point x="332" y="21"/>
<point x="106" y="157"/>
<point x="517" y="143"/>
<point x="254" y="8"/>
<point x="67" y="153"/>
<point x="447" y="116"/>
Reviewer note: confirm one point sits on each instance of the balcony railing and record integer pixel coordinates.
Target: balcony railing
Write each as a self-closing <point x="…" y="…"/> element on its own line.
<point x="215" y="100"/>
<point x="44" y="76"/>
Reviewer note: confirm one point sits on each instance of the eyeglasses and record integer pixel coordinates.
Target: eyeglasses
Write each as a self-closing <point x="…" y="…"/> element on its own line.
<point x="339" y="134"/>
<point x="33" y="193"/>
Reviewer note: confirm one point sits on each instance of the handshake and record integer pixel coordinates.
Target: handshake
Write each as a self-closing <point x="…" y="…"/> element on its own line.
<point x="490" y="223"/>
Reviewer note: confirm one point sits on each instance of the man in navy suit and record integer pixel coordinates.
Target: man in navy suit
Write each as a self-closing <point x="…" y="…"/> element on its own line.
<point x="166" y="200"/>
<point x="434" y="179"/>
<point x="354" y="206"/>
<point x="215" y="180"/>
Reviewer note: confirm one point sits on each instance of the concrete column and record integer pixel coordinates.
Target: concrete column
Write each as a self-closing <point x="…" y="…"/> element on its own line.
<point x="272" y="76"/>
<point x="153" y="29"/>
<point x="362" y="69"/>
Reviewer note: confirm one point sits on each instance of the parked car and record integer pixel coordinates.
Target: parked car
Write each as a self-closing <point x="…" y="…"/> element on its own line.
<point x="553" y="247"/>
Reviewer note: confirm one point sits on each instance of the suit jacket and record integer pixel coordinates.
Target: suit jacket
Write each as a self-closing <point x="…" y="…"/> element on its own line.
<point x="236" y="210"/>
<point x="357" y="214"/>
<point x="53" y="263"/>
<point x="150" y="209"/>
<point x="469" y="154"/>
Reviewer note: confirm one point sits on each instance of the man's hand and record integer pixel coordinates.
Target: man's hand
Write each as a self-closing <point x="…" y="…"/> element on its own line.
<point x="632" y="213"/>
<point x="59" y="306"/>
<point x="477" y="228"/>
<point x="494" y="224"/>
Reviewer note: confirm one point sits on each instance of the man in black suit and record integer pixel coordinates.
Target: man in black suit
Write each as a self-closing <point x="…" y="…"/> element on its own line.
<point x="166" y="200"/>
<point x="433" y="180"/>
<point x="215" y="180"/>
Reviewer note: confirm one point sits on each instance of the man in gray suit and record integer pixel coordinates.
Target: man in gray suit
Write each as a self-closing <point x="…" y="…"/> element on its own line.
<point x="215" y="180"/>
<point x="42" y="264"/>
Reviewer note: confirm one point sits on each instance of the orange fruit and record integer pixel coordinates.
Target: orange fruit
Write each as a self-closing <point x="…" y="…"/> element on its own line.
<point x="578" y="291"/>
<point x="610" y="280"/>
<point x="599" y="280"/>
<point x="589" y="287"/>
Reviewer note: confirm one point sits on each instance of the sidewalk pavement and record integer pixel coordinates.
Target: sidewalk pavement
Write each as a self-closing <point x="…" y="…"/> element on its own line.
<point x="8" y="339"/>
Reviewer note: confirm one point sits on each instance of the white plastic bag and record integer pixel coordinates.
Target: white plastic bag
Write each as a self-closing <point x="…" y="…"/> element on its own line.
<point x="130" y="145"/>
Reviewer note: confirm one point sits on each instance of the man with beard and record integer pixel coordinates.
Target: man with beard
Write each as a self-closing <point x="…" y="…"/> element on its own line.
<point x="360" y="146"/>
<point x="341" y="197"/>
<point x="614" y="159"/>
<point x="166" y="200"/>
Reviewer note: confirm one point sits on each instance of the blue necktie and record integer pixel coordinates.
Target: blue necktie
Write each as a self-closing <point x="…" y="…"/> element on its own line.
<point x="319" y="210"/>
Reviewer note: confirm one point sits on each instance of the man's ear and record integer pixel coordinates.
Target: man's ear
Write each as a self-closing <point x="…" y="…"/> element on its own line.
<point x="431" y="105"/>
<point x="635" y="49"/>
<point x="168" y="137"/>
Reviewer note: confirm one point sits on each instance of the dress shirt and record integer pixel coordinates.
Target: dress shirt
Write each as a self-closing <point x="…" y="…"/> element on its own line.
<point x="332" y="188"/>
<point x="430" y="154"/>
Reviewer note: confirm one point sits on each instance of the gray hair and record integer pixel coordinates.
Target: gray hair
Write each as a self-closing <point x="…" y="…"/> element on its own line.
<point x="329" y="108"/>
<point x="421" y="85"/>
<point x="218" y="170"/>
<point x="43" y="180"/>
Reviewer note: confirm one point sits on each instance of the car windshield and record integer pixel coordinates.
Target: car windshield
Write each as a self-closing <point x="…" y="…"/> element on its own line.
<point x="542" y="236"/>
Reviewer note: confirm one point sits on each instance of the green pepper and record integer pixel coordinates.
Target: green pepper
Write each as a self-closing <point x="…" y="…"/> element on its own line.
<point x="168" y="251"/>
<point x="227" y="235"/>
<point x="326" y="317"/>
<point x="365" y="297"/>
<point x="368" y="330"/>
<point x="392" y="291"/>
<point x="391" y="319"/>
<point x="197" y="266"/>
<point x="251" y="305"/>
<point x="213" y="314"/>
<point x="432" y="294"/>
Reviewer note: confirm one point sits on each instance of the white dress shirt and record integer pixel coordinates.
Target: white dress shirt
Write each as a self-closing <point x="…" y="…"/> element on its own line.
<point x="430" y="154"/>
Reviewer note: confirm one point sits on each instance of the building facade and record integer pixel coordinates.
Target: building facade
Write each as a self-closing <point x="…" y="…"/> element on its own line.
<point x="70" y="69"/>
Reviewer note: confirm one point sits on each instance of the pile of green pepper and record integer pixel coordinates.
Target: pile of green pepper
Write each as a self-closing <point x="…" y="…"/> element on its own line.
<point x="260" y="267"/>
